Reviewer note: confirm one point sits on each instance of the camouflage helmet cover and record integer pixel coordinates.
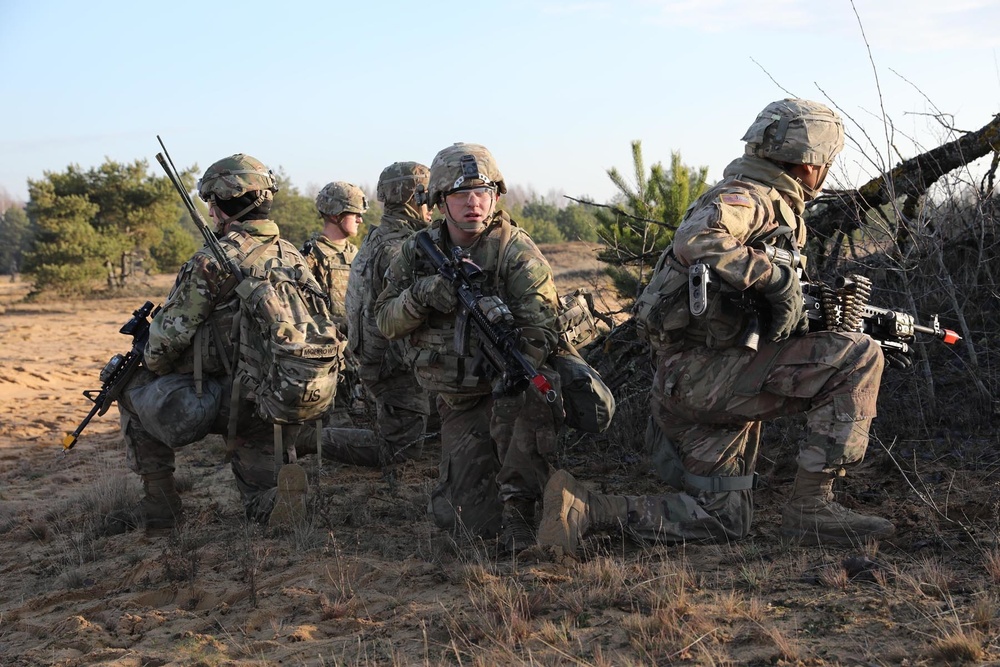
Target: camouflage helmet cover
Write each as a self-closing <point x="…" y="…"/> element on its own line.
<point x="235" y="176"/>
<point x="400" y="180"/>
<point x="463" y="166"/>
<point x="341" y="197"/>
<point x="796" y="131"/>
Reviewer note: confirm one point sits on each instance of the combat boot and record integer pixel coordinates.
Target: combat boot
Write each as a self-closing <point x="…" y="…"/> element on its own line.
<point x="290" y="499"/>
<point x="517" y="527"/>
<point x="812" y="517"/>
<point x="570" y="511"/>
<point x="160" y="508"/>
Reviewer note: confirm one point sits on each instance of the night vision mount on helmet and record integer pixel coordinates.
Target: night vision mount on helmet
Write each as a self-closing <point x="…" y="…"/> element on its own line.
<point x="459" y="167"/>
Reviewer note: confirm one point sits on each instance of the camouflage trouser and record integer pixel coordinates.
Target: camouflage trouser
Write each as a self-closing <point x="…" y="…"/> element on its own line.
<point x="709" y="405"/>
<point x="252" y="456"/>
<point x="401" y="408"/>
<point x="492" y="450"/>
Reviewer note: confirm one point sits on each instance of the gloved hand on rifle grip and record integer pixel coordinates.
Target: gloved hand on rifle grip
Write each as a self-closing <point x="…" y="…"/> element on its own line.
<point x="496" y="311"/>
<point x="435" y="292"/>
<point x="899" y="359"/>
<point x="783" y="293"/>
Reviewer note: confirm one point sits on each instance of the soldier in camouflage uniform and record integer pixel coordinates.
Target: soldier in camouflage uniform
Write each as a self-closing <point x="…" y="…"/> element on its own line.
<point x="712" y="388"/>
<point x="184" y="390"/>
<point x="401" y="403"/>
<point x="495" y="451"/>
<point x="329" y="254"/>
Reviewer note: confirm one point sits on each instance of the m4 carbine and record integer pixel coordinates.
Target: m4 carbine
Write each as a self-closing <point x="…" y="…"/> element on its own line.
<point x="119" y="369"/>
<point x="499" y="342"/>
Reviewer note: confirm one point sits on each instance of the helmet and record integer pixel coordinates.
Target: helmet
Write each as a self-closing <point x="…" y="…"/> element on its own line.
<point x="235" y="176"/>
<point x="462" y="166"/>
<point x="340" y="197"/>
<point x="399" y="182"/>
<point x="796" y="131"/>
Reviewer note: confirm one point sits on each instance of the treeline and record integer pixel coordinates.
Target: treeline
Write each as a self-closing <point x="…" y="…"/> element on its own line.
<point x="119" y="219"/>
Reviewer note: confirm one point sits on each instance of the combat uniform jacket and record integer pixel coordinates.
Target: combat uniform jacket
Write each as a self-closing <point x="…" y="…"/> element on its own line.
<point x="330" y="263"/>
<point x="756" y="202"/>
<point x="514" y="270"/>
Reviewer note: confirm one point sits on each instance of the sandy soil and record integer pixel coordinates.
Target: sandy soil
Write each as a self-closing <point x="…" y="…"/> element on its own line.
<point x="369" y="582"/>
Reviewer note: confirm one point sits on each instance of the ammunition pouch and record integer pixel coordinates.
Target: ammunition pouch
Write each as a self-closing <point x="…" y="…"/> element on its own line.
<point x="576" y="323"/>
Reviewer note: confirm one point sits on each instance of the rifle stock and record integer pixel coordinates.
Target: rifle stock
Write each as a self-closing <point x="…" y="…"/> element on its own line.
<point x="499" y="344"/>
<point x="118" y="371"/>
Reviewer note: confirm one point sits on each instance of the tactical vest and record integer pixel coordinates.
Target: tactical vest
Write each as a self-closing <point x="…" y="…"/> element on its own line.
<point x="432" y="347"/>
<point x="331" y="266"/>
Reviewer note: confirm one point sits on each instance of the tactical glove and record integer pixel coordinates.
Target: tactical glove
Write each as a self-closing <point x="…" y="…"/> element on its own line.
<point x="434" y="292"/>
<point x="496" y="311"/>
<point x="784" y="294"/>
<point x="899" y="359"/>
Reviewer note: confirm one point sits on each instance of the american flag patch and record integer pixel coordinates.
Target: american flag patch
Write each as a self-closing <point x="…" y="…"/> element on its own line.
<point x="736" y="199"/>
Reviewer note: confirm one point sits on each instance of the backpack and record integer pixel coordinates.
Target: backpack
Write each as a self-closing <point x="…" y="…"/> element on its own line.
<point x="289" y="350"/>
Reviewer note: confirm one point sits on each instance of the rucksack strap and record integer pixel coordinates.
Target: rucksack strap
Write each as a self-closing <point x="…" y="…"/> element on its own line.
<point x="198" y="375"/>
<point x="506" y="232"/>
<point x="250" y="258"/>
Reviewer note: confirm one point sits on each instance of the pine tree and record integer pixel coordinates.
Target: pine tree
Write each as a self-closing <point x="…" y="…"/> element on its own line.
<point x="643" y="217"/>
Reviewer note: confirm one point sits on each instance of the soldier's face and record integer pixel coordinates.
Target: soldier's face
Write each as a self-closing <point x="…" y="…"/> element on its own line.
<point x="470" y="208"/>
<point x="814" y="175"/>
<point x="350" y="222"/>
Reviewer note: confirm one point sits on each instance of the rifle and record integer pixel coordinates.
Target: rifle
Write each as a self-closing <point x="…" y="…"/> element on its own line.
<point x="498" y="342"/>
<point x="211" y="241"/>
<point x="118" y="371"/>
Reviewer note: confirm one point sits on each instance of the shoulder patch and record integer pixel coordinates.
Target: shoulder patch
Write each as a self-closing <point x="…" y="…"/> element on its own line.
<point x="735" y="199"/>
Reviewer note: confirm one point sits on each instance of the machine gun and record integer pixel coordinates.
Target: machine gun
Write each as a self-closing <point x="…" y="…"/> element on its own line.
<point x="498" y="342"/>
<point x="844" y="307"/>
<point x="118" y="371"/>
<point x="841" y="307"/>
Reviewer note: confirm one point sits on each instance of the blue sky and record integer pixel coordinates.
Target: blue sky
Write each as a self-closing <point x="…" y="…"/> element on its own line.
<point x="556" y="89"/>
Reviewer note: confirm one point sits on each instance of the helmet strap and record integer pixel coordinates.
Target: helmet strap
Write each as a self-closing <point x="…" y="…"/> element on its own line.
<point x="236" y="217"/>
<point x="813" y="192"/>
